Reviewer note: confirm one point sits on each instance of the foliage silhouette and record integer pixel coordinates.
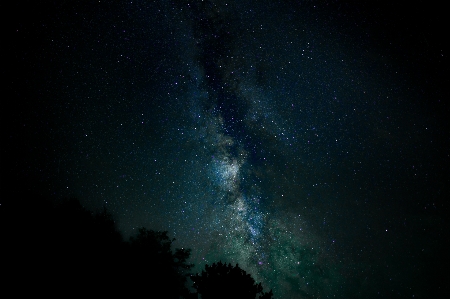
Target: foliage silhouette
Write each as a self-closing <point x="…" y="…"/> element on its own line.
<point x="65" y="245"/>
<point x="156" y="266"/>
<point x="225" y="281"/>
<point x="84" y="252"/>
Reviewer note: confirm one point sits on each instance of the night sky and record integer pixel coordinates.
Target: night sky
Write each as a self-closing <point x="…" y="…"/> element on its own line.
<point x="307" y="141"/>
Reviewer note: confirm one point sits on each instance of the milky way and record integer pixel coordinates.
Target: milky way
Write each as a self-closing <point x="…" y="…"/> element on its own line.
<point x="234" y="113"/>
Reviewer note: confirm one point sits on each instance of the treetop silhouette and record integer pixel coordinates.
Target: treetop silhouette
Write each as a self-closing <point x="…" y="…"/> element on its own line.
<point x="155" y="266"/>
<point x="225" y="281"/>
<point x="82" y="251"/>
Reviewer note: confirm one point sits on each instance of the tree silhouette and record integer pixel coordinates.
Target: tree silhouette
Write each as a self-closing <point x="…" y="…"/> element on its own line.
<point x="155" y="267"/>
<point x="77" y="248"/>
<point x="84" y="253"/>
<point x="225" y="281"/>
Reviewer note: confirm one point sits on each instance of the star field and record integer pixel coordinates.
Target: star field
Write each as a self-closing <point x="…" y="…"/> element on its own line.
<point x="304" y="141"/>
